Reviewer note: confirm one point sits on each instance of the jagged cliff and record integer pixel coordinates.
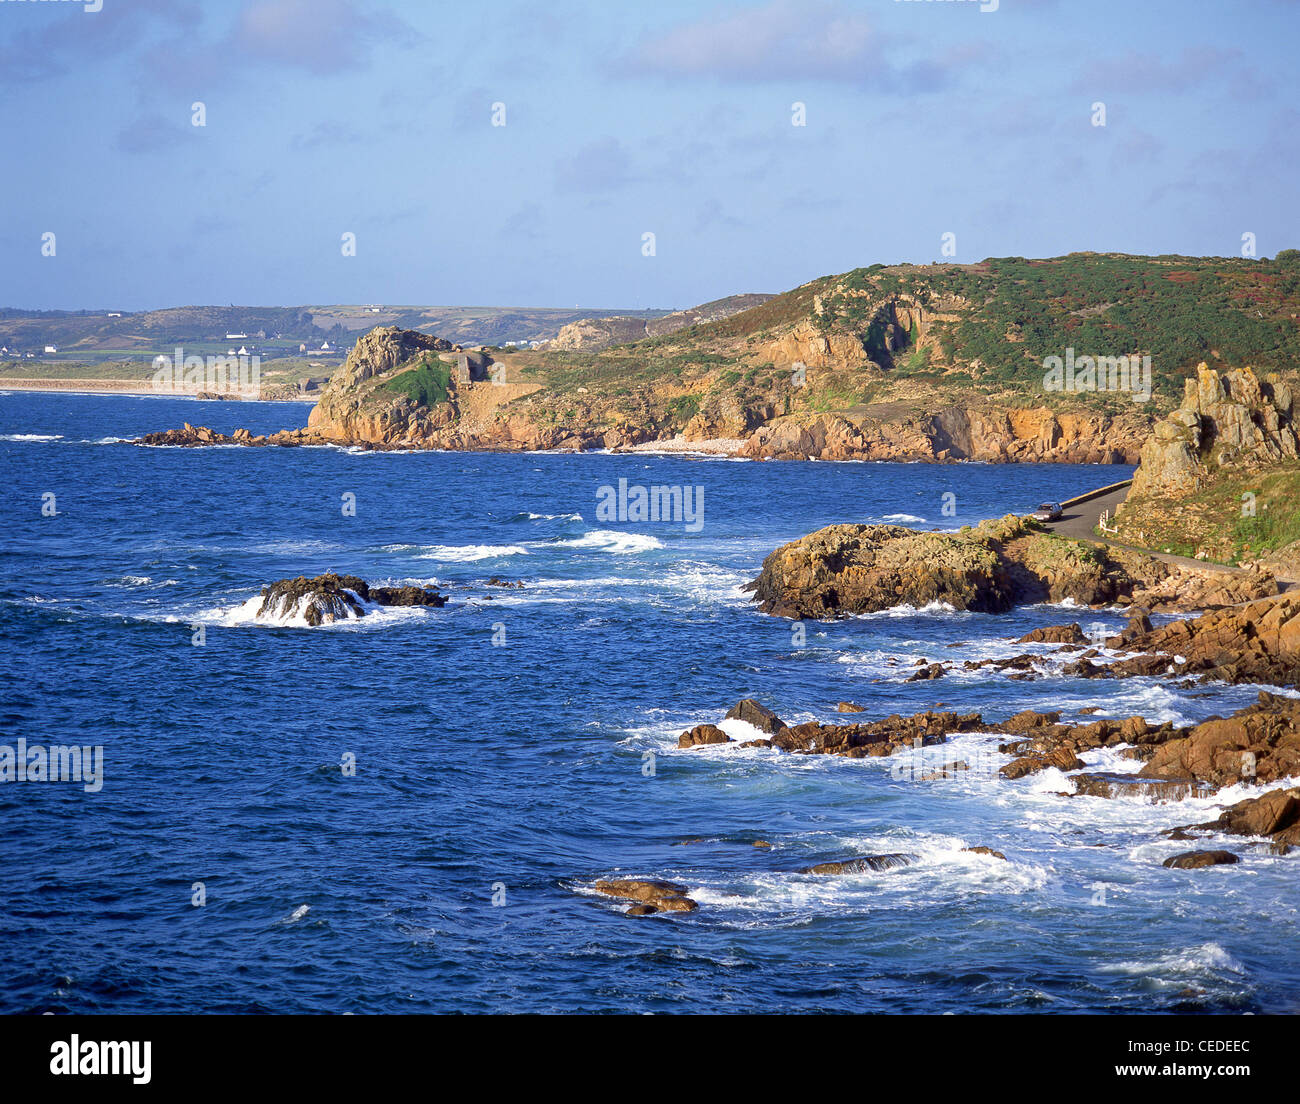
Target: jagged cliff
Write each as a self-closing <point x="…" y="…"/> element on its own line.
<point x="1227" y="421"/>
<point x="1218" y="478"/>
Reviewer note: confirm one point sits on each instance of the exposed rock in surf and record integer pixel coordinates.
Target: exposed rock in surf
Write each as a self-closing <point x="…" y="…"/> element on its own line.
<point x="875" y="738"/>
<point x="929" y="671"/>
<point x="1274" y="816"/>
<point x="1196" y="860"/>
<point x="1062" y="758"/>
<point x="986" y="851"/>
<point x="189" y="436"/>
<point x="326" y="598"/>
<point x="701" y="735"/>
<point x="1260" y="743"/>
<point x="650" y="896"/>
<point x="1105" y="784"/>
<point x="753" y="713"/>
<point x="861" y="865"/>
<point x="1055" y="634"/>
<point x="850" y="707"/>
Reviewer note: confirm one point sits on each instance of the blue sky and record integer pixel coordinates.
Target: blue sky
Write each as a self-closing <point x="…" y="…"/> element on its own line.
<point x="327" y="117"/>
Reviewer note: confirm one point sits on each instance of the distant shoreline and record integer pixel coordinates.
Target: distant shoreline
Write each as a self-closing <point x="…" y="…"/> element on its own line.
<point x="134" y="388"/>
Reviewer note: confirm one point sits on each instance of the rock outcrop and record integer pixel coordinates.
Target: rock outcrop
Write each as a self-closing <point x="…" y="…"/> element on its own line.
<point x="847" y="569"/>
<point x="328" y="598"/>
<point x="1274" y="816"/>
<point x="648" y="896"/>
<point x="1259" y="743"/>
<point x="1227" y="420"/>
<point x="1256" y="642"/>
<point x="992" y="435"/>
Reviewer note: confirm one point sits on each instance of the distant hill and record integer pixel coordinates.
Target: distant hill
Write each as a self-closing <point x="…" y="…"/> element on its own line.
<point x="102" y="334"/>
<point x="593" y="334"/>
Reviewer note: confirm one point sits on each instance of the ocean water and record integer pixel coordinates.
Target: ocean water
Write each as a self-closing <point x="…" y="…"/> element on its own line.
<point x="518" y="744"/>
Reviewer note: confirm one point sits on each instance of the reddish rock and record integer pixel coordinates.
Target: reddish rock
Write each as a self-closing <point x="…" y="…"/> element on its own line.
<point x="701" y="735"/>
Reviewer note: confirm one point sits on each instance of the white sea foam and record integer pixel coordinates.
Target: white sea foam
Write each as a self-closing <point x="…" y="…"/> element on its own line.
<point x="292" y="615"/>
<point x="466" y="553"/>
<point x="905" y="609"/>
<point x="903" y="518"/>
<point x="611" y="540"/>
<point x="1203" y="962"/>
<point x="31" y="436"/>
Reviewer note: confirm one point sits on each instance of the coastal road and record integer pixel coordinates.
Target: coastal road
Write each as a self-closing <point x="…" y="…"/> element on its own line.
<point x="1080" y="515"/>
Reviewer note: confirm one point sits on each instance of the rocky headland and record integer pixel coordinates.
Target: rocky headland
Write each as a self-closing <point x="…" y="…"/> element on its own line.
<point x="901" y="362"/>
<point x="989" y="568"/>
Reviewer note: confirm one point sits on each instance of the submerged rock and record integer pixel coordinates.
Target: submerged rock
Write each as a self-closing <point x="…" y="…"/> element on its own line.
<point x="860" y="865"/>
<point x="1103" y="784"/>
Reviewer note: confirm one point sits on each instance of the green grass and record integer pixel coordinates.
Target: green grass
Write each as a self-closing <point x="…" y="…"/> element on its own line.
<point x="428" y="383"/>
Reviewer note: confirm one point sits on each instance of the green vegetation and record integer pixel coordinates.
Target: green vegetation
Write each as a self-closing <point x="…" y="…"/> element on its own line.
<point x="1177" y="310"/>
<point x="1217" y="520"/>
<point x="428" y="383"/>
<point x="684" y="407"/>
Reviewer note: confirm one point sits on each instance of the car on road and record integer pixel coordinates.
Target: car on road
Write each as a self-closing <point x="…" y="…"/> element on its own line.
<point x="1048" y="511"/>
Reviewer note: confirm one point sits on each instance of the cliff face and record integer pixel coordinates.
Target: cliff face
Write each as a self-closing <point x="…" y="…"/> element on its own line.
<point x="1227" y="421"/>
<point x="406" y="389"/>
<point x="1218" y="478"/>
<point x="1034" y="435"/>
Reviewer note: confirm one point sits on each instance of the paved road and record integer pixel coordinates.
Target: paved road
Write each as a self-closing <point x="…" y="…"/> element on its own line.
<point x="1078" y="521"/>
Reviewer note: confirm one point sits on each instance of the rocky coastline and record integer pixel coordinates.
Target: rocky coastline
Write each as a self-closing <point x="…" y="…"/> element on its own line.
<point x="403" y="390"/>
<point x="1243" y="628"/>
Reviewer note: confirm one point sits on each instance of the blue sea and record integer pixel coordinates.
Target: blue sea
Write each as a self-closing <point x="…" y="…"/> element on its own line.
<point x="406" y="812"/>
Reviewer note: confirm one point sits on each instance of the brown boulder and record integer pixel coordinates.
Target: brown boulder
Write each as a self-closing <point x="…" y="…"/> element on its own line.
<point x="701" y="735"/>
<point x="1195" y="860"/>
<point x="753" y="713"/>
<point x="986" y="851"/>
<point x="1055" y="634"/>
<point x="1062" y="758"/>
<point x="662" y="896"/>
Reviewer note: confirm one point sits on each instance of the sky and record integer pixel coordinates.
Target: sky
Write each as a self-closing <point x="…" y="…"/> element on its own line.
<point x="326" y="118"/>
